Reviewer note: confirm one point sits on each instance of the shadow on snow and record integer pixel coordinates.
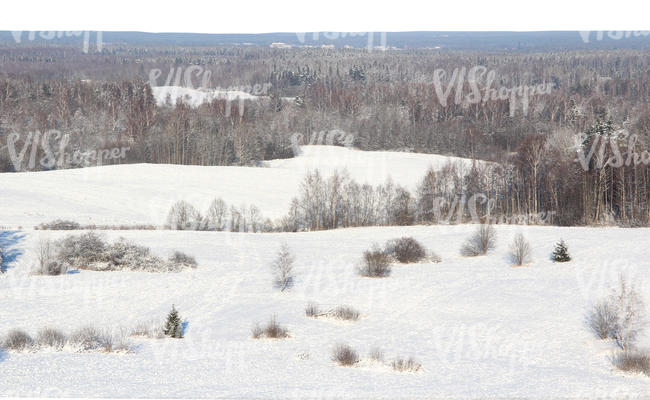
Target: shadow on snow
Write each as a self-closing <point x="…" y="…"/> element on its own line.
<point x="8" y="243"/>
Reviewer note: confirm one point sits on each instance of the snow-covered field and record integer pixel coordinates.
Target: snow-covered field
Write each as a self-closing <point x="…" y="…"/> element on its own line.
<point x="143" y="193"/>
<point x="480" y="327"/>
<point x="196" y="97"/>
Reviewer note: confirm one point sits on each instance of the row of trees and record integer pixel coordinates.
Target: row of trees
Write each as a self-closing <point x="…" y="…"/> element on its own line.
<point x="384" y="100"/>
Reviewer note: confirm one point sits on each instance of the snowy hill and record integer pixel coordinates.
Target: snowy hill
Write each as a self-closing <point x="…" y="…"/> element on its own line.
<point x="143" y="193"/>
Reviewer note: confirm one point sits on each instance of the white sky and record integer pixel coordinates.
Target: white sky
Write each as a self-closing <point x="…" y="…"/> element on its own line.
<point x="256" y="16"/>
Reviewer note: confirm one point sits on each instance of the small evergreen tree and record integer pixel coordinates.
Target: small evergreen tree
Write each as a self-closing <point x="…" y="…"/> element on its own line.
<point x="173" y="326"/>
<point x="561" y="252"/>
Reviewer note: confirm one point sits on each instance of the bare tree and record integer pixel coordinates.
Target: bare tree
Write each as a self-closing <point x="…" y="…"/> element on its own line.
<point x="483" y="240"/>
<point x="183" y="215"/>
<point x="283" y="268"/>
<point x="629" y="309"/>
<point x="520" y="250"/>
<point x="217" y="214"/>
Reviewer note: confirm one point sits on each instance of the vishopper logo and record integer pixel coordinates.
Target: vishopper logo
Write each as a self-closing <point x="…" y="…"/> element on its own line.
<point x="482" y="342"/>
<point x="181" y="78"/>
<point x="480" y="82"/>
<point x="618" y="158"/>
<point x="54" y="35"/>
<point x="330" y="138"/>
<point x="613" y="35"/>
<point x="480" y="208"/>
<point x="381" y="38"/>
<point x="54" y="152"/>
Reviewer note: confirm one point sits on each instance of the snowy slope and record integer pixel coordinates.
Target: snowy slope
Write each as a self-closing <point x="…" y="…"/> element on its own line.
<point x="481" y="328"/>
<point x="143" y="193"/>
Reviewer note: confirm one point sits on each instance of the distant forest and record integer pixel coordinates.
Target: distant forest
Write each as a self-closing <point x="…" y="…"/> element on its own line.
<point x="558" y="151"/>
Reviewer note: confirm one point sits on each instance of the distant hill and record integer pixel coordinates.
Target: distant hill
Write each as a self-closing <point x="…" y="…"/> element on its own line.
<point x="525" y="41"/>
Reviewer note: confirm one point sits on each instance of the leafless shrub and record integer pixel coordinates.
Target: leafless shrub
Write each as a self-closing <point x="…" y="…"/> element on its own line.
<point x="181" y="258"/>
<point x="483" y="240"/>
<point x="312" y="310"/>
<point x="89" y="251"/>
<point x="17" y="340"/>
<point x="520" y="250"/>
<point x="344" y="355"/>
<point x="346" y="313"/>
<point x="601" y="319"/>
<point x="272" y="330"/>
<point x="151" y="329"/>
<point x="283" y="268"/>
<point x="375" y="263"/>
<point x="376" y="355"/>
<point x="91" y="339"/>
<point x="59" y="225"/>
<point x="629" y="309"/>
<point x="406" y="250"/>
<point x="49" y="337"/>
<point x="630" y="361"/>
<point x="408" y="365"/>
<point x="257" y="332"/>
<point x="47" y="262"/>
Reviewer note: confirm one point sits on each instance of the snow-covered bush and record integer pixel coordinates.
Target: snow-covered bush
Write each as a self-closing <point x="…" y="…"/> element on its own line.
<point x="344" y="355"/>
<point x="91" y="339"/>
<point x="406" y="250"/>
<point x="375" y="263"/>
<point x="17" y="340"/>
<point x="182" y="259"/>
<point x="483" y="240"/>
<point x="80" y="251"/>
<point x="87" y="339"/>
<point x="406" y="365"/>
<point x="90" y="251"/>
<point x="51" y="338"/>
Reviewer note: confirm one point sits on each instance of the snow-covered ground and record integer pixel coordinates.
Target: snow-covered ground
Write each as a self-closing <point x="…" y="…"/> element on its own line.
<point x="480" y="327"/>
<point x="143" y="193"/>
<point x="196" y="97"/>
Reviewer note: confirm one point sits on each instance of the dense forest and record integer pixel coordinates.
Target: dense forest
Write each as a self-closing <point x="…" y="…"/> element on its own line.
<point x="563" y="133"/>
